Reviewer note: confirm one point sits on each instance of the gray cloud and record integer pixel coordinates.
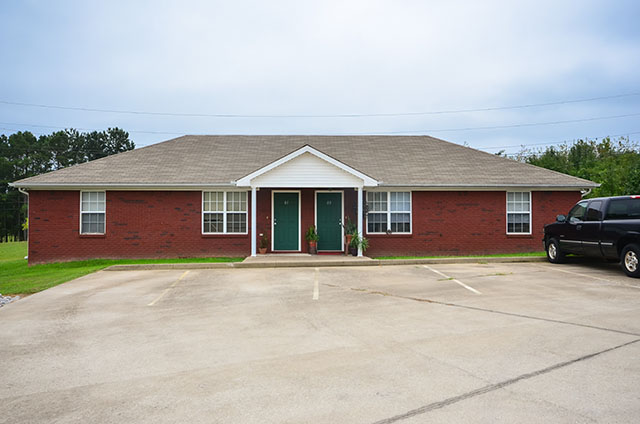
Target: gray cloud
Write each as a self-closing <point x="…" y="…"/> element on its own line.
<point x="327" y="57"/>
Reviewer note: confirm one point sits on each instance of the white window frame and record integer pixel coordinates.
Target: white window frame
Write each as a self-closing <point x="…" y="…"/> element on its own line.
<point x="104" y="211"/>
<point x="224" y="212"/>
<point x="506" y="198"/>
<point x="389" y="212"/>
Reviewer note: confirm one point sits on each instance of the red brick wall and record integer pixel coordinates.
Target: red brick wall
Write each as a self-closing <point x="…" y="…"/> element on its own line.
<point x="471" y="222"/>
<point x="145" y="224"/>
<point x="139" y="224"/>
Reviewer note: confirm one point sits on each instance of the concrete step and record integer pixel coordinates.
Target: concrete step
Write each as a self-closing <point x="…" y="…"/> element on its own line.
<point x="312" y="262"/>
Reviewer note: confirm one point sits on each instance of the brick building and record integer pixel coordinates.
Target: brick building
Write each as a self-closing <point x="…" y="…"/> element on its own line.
<point x="200" y="196"/>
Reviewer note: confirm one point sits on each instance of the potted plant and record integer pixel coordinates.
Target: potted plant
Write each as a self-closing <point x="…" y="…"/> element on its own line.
<point x="264" y="244"/>
<point x="312" y="238"/>
<point x="349" y="230"/>
<point x="358" y="241"/>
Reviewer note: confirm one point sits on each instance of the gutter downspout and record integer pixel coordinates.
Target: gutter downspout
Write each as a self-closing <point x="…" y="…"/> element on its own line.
<point x="586" y="193"/>
<point x="26" y="193"/>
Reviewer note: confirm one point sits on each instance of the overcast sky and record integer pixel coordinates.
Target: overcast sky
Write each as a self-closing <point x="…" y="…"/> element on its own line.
<point x="323" y="58"/>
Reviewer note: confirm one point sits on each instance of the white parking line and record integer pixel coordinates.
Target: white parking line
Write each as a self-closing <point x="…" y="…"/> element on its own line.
<point x="316" y="287"/>
<point x="453" y="279"/>
<point x="555" y="268"/>
<point x="168" y="288"/>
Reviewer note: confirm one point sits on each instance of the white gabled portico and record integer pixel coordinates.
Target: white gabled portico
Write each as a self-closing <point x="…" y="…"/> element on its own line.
<point x="305" y="168"/>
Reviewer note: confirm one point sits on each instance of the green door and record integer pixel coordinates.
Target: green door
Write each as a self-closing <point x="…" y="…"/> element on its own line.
<point x="329" y="220"/>
<point x="285" y="221"/>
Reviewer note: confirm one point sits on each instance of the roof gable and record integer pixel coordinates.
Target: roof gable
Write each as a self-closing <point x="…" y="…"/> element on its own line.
<point x="306" y="167"/>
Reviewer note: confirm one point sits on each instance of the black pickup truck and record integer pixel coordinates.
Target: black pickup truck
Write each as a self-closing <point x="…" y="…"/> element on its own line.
<point x="605" y="227"/>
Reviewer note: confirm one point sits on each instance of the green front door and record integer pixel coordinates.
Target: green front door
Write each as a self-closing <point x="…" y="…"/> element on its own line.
<point x="285" y="221"/>
<point x="329" y="220"/>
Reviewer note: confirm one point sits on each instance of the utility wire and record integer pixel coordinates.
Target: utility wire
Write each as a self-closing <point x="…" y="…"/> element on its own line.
<point x="347" y="115"/>
<point x="34" y="148"/>
<point x="557" y="142"/>
<point x="424" y="131"/>
<point x="495" y="127"/>
<point x="85" y="129"/>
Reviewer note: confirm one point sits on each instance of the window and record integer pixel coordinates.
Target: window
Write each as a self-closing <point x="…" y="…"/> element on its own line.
<point x="224" y="212"/>
<point x="388" y="212"/>
<point x="594" y="212"/>
<point x="576" y="214"/>
<point x="92" y="212"/>
<point x="624" y="208"/>
<point x="518" y="213"/>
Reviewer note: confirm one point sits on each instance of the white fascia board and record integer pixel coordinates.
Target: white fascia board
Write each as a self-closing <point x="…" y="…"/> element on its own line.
<point x="123" y="187"/>
<point x="246" y="180"/>
<point x="481" y="187"/>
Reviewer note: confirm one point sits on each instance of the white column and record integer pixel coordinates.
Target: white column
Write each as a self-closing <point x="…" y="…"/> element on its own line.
<point x="359" y="219"/>
<point x="254" y="203"/>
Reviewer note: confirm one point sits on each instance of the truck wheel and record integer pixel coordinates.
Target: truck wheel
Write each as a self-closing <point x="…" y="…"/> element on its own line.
<point x="554" y="254"/>
<point x="630" y="258"/>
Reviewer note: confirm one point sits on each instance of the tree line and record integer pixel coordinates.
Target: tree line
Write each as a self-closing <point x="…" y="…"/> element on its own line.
<point x="23" y="155"/>
<point x="615" y="164"/>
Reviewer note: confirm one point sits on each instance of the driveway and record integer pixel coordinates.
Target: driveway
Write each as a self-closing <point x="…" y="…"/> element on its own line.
<point x="409" y="344"/>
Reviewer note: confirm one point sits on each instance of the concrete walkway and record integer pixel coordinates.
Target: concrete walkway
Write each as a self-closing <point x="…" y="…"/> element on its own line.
<point x="300" y="260"/>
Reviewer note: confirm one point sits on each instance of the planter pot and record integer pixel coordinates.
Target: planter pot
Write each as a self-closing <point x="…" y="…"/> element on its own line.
<point x="262" y="250"/>
<point x="347" y="239"/>
<point x="353" y="251"/>
<point x="313" y="247"/>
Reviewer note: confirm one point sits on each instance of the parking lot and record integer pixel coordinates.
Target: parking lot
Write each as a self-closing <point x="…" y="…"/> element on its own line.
<point x="530" y="342"/>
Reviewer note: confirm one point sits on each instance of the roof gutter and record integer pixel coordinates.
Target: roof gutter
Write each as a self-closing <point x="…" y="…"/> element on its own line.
<point x="183" y="186"/>
<point x="462" y="186"/>
<point x="586" y="192"/>
<point x="128" y="186"/>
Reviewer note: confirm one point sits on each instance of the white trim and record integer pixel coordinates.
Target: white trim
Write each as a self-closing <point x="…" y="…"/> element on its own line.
<point x="223" y="212"/>
<point x="247" y="179"/>
<point x="273" y="192"/>
<point x="315" y="215"/>
<point x="472" y="187"/>
<point x="389" y="212"/>
<point x="359" y="220"/>
<point x="506" y="198"/>
<point x="254" y="208"/>
<point x="127" y="187"/>
<point x="232" y="185"/>
<point x="102" y="212"/>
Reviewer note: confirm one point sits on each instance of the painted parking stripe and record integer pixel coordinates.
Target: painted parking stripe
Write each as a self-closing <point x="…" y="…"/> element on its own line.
<point x="168" y="288"/>
<point x="453" y="279"/>
<point x="316" y="287"/>
<point x="595" y="277"/>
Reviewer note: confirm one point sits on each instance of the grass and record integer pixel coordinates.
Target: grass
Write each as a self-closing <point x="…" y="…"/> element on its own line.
<point x="501" y="255"/>
<point x="16" y="277"/>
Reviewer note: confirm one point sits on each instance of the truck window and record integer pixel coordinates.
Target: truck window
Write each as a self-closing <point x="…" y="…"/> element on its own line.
<point x="577" y="212"/>
<point x="594" y="211"/>
<point x="624" y="208"/>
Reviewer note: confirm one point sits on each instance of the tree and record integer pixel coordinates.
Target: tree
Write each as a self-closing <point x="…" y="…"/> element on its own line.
<point x="23" y="155"/>
<point x="613" y="164"/>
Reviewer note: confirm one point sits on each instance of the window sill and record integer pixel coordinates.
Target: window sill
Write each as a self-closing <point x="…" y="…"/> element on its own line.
<point x="384" y="235"/>
<point x="93" y="235"/>
<point x="232" y="235"/>
<point x="526" y="236"/>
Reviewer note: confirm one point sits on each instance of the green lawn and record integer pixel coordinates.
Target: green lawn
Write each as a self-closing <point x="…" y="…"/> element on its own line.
<point x="17" y="277"/>
<point x="501" y="255"/>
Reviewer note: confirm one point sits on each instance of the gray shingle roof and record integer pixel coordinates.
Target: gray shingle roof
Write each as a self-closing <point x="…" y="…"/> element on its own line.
<point x="221" y="159"/>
